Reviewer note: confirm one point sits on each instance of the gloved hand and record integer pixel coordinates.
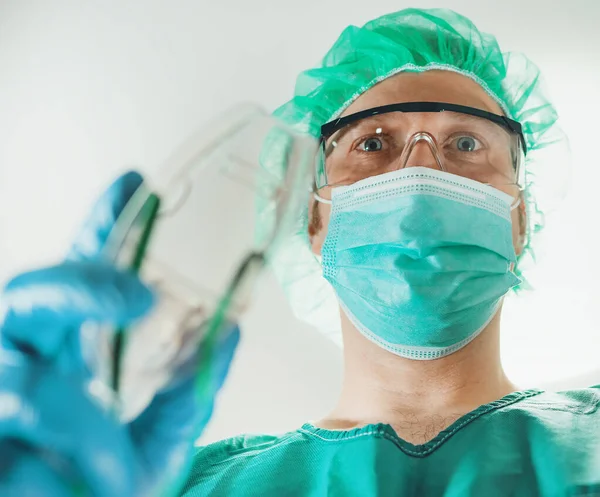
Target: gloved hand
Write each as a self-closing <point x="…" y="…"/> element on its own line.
<point x="54" y="438"/>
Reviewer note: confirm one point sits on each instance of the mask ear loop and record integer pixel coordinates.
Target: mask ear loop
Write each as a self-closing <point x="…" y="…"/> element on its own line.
<point x="318" y="198"/>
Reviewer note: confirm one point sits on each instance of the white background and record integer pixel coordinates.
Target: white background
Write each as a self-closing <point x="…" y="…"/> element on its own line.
<point x="88" y="88"/>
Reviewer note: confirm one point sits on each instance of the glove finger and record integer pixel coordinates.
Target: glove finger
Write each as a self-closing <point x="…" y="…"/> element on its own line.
<point x="177" y="418"/>
<point x="93" y="235"/>
<point x="81" y="442"/>
<point x="224" y="352"/>
<point x="41" y="307"/>
<point x="173" y="419"/>
<point x="24" y="473"/>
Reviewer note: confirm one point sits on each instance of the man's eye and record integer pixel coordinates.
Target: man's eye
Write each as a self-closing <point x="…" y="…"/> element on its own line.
<point x="467" y="144"/>
<point x="371" y="145"/>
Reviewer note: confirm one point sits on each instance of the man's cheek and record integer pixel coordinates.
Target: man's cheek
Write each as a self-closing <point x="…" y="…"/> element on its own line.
<point x="318" y="225"/>
<point x="518" y="230"/>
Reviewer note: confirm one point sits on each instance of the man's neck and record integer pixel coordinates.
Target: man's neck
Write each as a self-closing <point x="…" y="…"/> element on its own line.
<point x="380" y="387"/>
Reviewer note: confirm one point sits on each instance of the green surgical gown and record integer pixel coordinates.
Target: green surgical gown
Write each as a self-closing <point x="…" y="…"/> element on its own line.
<point x="529" y="443"/>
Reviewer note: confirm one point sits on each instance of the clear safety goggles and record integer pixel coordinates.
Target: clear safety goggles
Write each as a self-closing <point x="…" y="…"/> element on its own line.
<point x="460" y="140"/>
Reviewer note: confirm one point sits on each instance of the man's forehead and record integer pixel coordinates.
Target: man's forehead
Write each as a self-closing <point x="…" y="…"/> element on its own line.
<point x="429" y="86"/>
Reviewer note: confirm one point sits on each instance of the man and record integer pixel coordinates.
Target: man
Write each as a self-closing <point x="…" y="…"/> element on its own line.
<point x="422" y="207"/>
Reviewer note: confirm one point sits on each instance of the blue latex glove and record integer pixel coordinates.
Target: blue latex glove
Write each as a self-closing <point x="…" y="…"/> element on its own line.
<point x="54" y="439"/>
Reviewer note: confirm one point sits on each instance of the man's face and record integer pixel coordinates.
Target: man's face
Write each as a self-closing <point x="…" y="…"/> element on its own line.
<point x="430" y="86"/>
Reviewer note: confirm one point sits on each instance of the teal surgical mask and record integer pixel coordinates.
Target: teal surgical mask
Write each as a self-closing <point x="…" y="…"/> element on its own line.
<point x="420" y="259"/>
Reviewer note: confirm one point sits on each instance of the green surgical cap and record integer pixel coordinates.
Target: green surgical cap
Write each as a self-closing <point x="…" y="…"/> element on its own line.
<point x="414" y="40"/>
